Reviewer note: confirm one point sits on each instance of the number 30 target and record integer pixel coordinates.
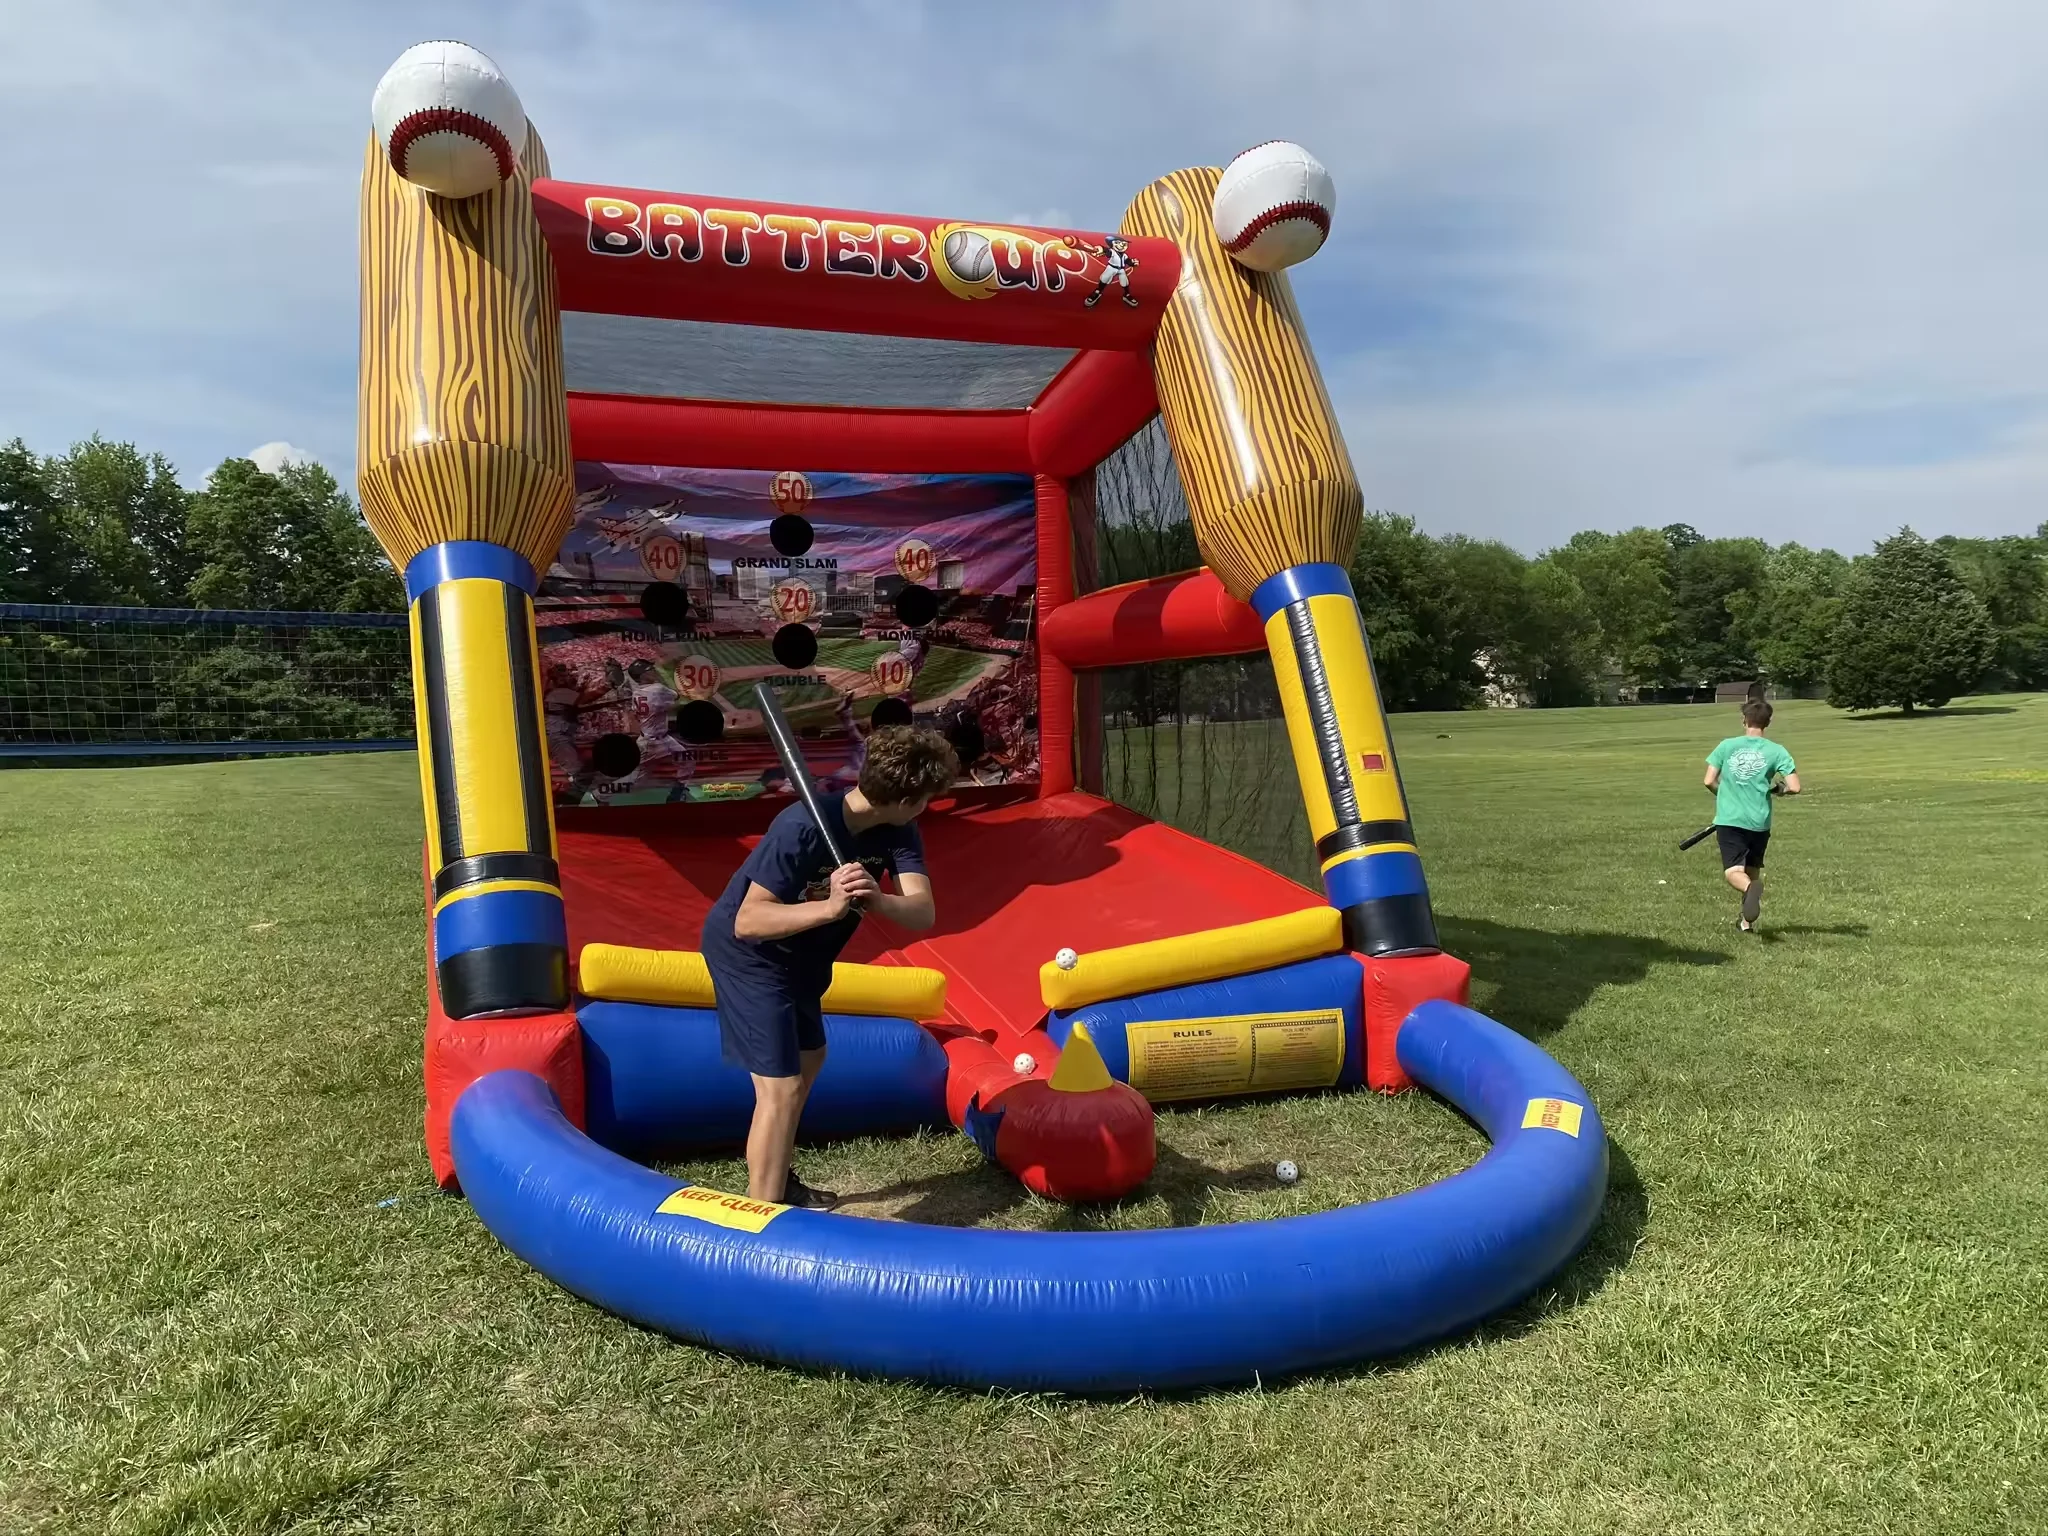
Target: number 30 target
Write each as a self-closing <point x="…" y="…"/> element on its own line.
<point x="697" y="676"/>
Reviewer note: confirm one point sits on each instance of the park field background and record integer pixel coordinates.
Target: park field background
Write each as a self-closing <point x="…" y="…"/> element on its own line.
<point x="230" y="1300"/>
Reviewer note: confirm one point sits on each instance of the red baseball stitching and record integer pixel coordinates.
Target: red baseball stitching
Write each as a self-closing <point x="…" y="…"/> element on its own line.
<point x="1315" y="213"/>
<point x="418" y="125"/>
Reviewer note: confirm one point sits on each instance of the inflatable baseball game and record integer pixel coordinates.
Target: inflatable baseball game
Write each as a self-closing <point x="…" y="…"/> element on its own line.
<point x="643" y="455"/>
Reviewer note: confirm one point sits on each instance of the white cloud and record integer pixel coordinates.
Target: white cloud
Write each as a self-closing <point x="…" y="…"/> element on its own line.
<point x="271" y="457"/>
<point x="1596" y="261"/>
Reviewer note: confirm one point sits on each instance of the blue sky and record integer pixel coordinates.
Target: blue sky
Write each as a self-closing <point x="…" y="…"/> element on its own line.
<point x="1766" y="269"/>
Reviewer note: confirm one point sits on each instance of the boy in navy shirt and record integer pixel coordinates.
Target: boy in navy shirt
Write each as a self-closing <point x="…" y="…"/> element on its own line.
<point x="772" y="937"/>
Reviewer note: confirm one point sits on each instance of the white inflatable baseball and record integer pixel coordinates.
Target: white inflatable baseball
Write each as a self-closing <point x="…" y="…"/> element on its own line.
<point x="448" y="119"/>
<point x="1273" y="206"/>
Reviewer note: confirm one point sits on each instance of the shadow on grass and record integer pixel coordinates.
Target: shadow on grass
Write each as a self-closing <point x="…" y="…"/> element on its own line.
<point x="1942" y="713"/>
<point x="1544" y="977"/>
<point x="1777" y="933"/>
<point x="965" y="1198"/>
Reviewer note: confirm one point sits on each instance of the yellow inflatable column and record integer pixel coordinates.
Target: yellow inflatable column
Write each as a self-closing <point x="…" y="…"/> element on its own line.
<point x="465" y="477"/>
<point x="1276" y="509"/>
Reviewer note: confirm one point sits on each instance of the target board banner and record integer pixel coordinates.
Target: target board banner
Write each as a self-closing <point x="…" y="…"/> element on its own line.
<point x="679" y="592"/>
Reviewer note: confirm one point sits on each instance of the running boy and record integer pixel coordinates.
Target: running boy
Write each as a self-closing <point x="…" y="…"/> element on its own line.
<point x="1744" y="772"/>
<point x="772" y="937"/>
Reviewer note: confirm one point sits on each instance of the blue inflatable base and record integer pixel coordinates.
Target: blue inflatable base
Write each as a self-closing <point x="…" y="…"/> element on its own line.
<point x="1087" y="1312"/>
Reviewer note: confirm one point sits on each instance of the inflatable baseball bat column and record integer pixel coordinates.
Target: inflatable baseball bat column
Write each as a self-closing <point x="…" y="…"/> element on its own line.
<point x="1276" y="510"/>
<point x="465" y="477"/>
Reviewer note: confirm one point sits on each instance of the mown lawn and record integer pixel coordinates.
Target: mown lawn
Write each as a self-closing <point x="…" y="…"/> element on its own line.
<point x="230" y="1300"/>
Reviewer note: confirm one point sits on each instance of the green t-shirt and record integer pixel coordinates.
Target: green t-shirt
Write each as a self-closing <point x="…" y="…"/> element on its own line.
<point x="1747" y="764"/>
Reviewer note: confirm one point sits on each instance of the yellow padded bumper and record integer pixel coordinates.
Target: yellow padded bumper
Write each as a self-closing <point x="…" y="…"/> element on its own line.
<point x="680" y="978"/>
<point x="1193" y="957"/>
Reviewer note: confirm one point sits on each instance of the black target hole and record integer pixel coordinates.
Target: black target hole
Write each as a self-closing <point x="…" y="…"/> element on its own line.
<point x="700" y="721"/>
<point x="792" y="534"/>
<point x="665" y="604"/>
<point x="917" y="605"/>
<point x="890" y="712"/>
<point x="795" y="647"/>
<point x="615" y="755"/>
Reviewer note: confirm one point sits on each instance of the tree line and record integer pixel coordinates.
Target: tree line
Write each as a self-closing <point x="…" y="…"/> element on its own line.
<point x="1646" y="614"/>
<point x="108" y="525"/>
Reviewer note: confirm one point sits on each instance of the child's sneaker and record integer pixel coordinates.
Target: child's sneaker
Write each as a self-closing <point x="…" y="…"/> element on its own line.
<point x="799" y="1194"/>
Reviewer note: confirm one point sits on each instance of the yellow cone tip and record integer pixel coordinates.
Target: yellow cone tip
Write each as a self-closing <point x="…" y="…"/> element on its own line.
<point x="1080" y="1068"/>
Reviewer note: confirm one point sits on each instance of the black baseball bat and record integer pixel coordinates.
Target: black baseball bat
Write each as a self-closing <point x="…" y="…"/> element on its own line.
<point x="798" y="770"/>
<point x="1701" y="835"/>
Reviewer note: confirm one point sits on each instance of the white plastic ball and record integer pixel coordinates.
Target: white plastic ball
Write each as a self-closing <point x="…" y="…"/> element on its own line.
<point x="448" y="119"/>
<point x="1286" y="1172"/>
<point x="1273" y="206"/>
<point x="1066" y="959"/>
<point x="1025" y="1064"/>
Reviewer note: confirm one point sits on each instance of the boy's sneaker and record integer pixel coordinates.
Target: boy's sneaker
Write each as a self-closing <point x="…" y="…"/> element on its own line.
<point x="1752" y="903"/>
<point x="799" y="1194"/>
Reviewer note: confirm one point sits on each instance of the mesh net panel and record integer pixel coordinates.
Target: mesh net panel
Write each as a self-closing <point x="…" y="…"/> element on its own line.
<point x="129" y="680"/>
<point x="1199" y="745"/>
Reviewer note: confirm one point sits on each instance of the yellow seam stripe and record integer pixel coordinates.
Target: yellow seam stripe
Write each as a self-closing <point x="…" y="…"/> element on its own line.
<point x="426" y="756"/>
<point x="482" y="728"/>
<point x="680" y="978"/>
<point x="486" y="887"/>
<point x="1308" y="766"/>
<point x="1360" y="718"/>
<point x="540" y="713"/>
<point x="1370" y="848"/>
<point x="1179" y="962"/>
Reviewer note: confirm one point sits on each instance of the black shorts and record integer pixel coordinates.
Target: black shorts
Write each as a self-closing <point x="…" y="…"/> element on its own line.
<point x="1742" y="845"/>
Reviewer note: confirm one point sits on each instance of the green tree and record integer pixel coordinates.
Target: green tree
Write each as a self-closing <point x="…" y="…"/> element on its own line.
<point x="1626" y="580"/>
<point x="1911" y="632"/>
<point x="1710" y="580"/>
<point x="35" y="558"/>
<point x="2010" y="577"/>
<point x="1788" y="624"/>
<point x="1401" y="579"/>
<point x="124" y="514"/>
<point x="292" y="540"/>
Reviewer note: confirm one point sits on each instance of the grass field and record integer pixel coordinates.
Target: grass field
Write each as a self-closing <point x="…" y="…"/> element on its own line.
<point x="230" y="1300"/>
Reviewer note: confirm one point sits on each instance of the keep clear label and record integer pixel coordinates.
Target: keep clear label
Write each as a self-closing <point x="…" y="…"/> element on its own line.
<point x="720" y="1209"/>
<point x="1243" y="1053"/>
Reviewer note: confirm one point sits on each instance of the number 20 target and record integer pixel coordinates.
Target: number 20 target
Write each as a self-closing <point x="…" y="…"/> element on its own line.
<point x="792" y="602"/>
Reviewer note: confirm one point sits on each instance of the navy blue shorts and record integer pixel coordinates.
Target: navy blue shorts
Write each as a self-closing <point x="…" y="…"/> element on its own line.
<point x="767" y="1017"/>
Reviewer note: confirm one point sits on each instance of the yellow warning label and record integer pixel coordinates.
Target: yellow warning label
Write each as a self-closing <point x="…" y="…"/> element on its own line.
<point x="1554" y="1115"/>
<point x="1242" y="1053"/>
<point x="720" y="1209"/>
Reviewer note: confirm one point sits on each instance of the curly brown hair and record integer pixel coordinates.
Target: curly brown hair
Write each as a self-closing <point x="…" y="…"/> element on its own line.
<point x="906" y="763"/>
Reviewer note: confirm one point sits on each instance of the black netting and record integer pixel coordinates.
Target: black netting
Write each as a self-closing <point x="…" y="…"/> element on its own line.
<point x="150" y="679"/>
<point x="1198" y="744"/>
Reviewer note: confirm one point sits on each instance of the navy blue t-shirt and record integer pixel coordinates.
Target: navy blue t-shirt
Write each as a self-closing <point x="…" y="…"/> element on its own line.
<point x="792" y="863"/>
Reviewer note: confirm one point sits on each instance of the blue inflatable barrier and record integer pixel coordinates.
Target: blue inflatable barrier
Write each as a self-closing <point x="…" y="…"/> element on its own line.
<point x="1066" y="1311"/>
<point x="655" y="1081"/>
<point x="1332" y="984"/>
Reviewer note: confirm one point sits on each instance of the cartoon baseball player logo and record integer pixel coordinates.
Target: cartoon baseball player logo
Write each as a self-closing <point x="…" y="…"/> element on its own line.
<point x="1117" y="265"/>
